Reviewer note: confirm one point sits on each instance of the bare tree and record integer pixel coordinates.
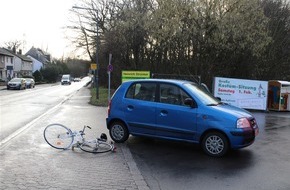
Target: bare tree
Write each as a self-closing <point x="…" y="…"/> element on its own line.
<point x="13" y="44"/>
<point x="199" y="37"/>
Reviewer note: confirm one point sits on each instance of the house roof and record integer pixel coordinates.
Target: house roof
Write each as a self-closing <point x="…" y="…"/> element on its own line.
<point x="22" y="57"/>
<point x="5" y="52"/>
<point x="39" y="55"/>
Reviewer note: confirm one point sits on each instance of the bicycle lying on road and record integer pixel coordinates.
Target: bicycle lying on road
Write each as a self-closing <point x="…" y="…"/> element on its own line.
<point x="60" y="137"/>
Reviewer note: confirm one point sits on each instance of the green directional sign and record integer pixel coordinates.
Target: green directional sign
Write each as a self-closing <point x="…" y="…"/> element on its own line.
<point x="132" y="75"/>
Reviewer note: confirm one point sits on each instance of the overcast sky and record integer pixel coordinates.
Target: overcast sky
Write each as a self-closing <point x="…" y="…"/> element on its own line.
<point x="38" y="23"/>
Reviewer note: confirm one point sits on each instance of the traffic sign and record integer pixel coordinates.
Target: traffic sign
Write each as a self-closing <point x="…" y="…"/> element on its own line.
<point x="110" y="68"/>
<point x="93" y="66"/>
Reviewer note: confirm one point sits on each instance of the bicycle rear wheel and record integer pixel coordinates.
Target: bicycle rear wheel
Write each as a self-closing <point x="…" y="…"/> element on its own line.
<point x="96" y="147"/>
<point x="58" y="136"/>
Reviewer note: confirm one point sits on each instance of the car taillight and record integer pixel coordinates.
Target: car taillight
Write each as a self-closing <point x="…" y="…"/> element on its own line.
<point x="109" y="107"/>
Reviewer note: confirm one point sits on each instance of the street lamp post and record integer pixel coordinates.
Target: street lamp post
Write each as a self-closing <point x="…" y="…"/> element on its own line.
<point x="96" y="73"/>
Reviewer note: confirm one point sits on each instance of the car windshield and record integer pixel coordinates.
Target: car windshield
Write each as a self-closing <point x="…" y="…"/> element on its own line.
<point x="204" y="96"/>
<point x="15" y="80"/>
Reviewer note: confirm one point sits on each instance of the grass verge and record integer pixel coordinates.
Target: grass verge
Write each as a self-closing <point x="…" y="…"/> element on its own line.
<point x="103" y="97"/>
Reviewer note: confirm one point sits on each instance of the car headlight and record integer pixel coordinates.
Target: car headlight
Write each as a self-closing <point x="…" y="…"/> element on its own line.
<point x="243" y="123"/>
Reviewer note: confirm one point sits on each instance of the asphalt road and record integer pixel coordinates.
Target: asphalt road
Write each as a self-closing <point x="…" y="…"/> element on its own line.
<point x="265" y="165"/>
<point x="21" y="107"/>
<point x="28" y="162"/>
<point x="164" y="165"/>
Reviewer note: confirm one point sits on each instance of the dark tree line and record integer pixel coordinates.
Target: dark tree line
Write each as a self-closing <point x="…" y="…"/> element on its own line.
<point x="52" y="72"/>
<point x="227" y="38"/>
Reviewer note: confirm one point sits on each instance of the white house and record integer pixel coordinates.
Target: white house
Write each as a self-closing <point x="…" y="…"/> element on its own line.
<point x="36" y="65"/>
<point x="22" y="64"/>
<point x="6" y="64"/>
<point x="39" y="57"/>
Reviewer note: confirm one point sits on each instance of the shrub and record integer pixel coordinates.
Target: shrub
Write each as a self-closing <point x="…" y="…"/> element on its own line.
<point x="37" y="76"/>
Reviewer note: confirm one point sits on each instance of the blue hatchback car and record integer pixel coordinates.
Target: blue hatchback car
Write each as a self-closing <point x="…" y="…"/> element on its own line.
<point x="178" y="110"/>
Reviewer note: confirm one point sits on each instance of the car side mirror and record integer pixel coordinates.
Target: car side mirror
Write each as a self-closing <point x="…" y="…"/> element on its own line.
<point x="190" y="102"/>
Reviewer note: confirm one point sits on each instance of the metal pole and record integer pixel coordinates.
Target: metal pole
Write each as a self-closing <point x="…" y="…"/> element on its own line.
<point x="97" y="59"/>
<point x="109" y="82"/>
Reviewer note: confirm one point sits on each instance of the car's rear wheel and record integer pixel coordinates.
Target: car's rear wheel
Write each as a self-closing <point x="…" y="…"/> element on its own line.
<point x="215" y="144"/>
<point x="118" y="132"/>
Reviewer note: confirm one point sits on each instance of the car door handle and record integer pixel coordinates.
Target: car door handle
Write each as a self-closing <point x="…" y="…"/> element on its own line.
<point x="163" y="113"/>
<point x="130" y="108"/>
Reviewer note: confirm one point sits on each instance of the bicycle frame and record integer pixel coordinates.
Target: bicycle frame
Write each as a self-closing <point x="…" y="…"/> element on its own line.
<point x="78" y="136"/>
<point x="61" y="137"/>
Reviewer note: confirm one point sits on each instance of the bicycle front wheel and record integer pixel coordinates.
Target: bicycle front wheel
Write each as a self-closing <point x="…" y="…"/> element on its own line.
<point x="96" y="147"/>
<point x="58" y="136"/>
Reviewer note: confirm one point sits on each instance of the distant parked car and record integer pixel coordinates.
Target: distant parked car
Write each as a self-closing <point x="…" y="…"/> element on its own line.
<point x="30" y="83"/>
<point x="16" y="83"/>
<point x="77" y="79"/>
<point x="179" y="110"/>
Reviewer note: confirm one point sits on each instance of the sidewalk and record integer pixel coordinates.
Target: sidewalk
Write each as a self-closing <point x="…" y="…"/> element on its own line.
<point x="3" y="87"/>
<point x="28" y="162"/>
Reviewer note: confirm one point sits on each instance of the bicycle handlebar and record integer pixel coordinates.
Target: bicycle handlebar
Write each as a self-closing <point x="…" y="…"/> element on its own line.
<point x="86" y="126"/>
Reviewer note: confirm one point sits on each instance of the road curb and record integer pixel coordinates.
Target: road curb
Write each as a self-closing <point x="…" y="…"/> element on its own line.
<point x="135" y="172"/>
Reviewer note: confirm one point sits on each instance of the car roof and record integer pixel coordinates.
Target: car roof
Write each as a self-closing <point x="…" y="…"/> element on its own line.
<point x="16" y="78"/>
<point x="175" y="81"/>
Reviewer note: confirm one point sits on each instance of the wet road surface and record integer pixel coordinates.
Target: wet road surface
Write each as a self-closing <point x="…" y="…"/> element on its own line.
<point x="264" y="165"/>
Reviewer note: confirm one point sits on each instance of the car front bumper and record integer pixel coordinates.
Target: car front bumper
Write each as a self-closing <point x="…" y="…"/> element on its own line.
<point x="243" y="137"/>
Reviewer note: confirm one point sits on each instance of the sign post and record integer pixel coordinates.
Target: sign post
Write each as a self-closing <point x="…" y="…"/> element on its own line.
<point x="109" y="70"/>
<point x="94" y="68"/>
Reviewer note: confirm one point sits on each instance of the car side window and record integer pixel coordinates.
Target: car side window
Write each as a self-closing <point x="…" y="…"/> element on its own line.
<point x="171" y="94"/>
<point x="142" y="91"/>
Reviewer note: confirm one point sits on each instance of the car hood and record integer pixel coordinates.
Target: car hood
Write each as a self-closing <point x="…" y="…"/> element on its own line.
<point x="14" y="83"/>
<point x="232" y="110"/>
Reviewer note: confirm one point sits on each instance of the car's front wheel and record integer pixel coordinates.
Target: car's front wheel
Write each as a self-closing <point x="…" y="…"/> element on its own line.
<point x="118" y="132"/>
<point x="215" y="144"/>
